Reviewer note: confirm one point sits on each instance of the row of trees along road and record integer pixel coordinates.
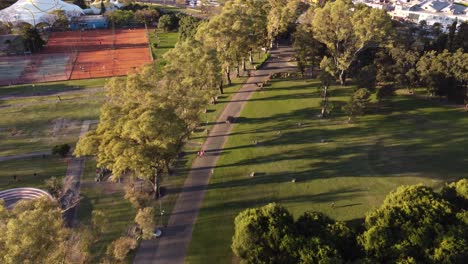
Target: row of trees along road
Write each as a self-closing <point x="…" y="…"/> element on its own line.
<point x="149" y="115"/>
<point x="413" y="225"/>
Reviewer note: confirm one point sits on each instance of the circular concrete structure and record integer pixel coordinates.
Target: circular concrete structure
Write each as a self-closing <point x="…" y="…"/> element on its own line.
<point x="12" y="196"/>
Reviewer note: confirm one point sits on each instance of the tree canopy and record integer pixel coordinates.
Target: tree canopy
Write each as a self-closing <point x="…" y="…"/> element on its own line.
<point x="347" y="30"/>
<point x="415" y="224"/>
<point x="33" y="232"/>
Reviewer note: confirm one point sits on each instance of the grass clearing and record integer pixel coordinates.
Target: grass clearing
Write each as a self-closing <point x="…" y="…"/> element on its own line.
<point x="352" y="165"/>
<point x="107" y="197"/>
<point x="165" y="40"/>
<point x="24" y="169"/>
<point x="50" y="88"/>
<point x="38" y="123"/>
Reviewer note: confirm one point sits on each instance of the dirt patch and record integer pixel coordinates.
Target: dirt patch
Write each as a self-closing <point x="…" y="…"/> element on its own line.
<point x="63" y="127"/>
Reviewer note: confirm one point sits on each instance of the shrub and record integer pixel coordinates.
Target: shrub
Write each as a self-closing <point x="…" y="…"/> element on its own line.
<point x="54" y="186"/>
<point x="264" y="59"/>
<point x="61" y="150"/>
<point x="168" y="22"/>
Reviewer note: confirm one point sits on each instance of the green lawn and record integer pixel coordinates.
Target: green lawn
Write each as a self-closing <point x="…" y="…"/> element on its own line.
<point x="50" y="87"/>
<point x="107" y="197"/>
<point x="24" y="170"/>
<point x="31" y="124"/>
<point x="166" y="41"/>
<point x="352" y="165"/>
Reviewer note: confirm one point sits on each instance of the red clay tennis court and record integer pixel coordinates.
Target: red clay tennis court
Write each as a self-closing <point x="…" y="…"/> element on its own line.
<point x="79" y="55"/>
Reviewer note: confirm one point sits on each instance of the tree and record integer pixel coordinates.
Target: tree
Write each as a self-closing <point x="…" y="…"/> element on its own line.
<point x="457" y="193"/>
<point x="415" y="224"/>
<point x="137" y="198"/>
<point x="326" y="66"/>
<point x="54" y="186"/>
<point x="281" y="13"/>
<point x="146" y="16"/>
<point x="60" y="20"/>
<point x="238" y="30"/>
<point x="347" y="30"/>
<point x="357" y="103"/>
<point x="460" y="40"/>
<point x="139" y="131"/>
<point x="145" y="221"/>
<point x="61" y="150"/>
<point x="188" y="27"/>
<point x="323" y="240"/>
<point x="261" y="235"/>
<point x="445" y="74"/>
<point x="33" y="232"/>
<point x="100" y="222"/>
<point x="121" y="17"/>
<point x="307" y="50"/>
<point x="119" y="249"/>
<point x="168" y="22"/>
<point x="31" y="38"/>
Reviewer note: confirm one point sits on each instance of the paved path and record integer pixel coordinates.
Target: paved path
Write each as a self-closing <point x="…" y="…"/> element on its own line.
<point x="72" y="180"/>
<point x="173" y="246"/>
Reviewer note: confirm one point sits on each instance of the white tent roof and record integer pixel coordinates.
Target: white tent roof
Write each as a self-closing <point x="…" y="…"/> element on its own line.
<point x="37" y="11"/>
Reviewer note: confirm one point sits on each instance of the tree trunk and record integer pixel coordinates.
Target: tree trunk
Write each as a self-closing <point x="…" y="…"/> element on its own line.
<point x="243" y="65"/>
<point x="221" y="88"/>
<point x="168" y="167"/>
<point x="228" y="75"/>
<point x="237" y="71"/>
<point x="343" y="78"/>
<point x="325" y="102"/>
<point x="155" y="183"/>
<point x="250" y="57"/>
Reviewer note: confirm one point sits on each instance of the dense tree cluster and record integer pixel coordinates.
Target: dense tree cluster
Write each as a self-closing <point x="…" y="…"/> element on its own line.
<point x="413" y="225"/>
<point x="33" y="232"/>
<point x="363" y="43"/>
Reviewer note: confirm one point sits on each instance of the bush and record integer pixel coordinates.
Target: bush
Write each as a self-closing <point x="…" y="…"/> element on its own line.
<point x="136" y="198"/>
<point x="61" y="150"/>
<point x="357" y="103"/>
<point x="264" y="59"/>
<point x="120" y="248"/>
<point x="54" y="186"/>
<point x="385" y="91"/>
<point x="168" y="22"/>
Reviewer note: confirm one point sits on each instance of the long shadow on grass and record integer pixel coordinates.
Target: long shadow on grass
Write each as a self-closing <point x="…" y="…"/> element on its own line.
<point x="42" y="90"/>
<point x="335" y="195"/>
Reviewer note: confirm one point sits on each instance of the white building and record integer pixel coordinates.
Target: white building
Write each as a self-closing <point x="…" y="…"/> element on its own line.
<point x="37" y="11"/>
<point x="444" y="12"/>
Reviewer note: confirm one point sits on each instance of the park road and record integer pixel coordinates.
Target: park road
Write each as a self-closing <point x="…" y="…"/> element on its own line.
<point x="172" y="247"/>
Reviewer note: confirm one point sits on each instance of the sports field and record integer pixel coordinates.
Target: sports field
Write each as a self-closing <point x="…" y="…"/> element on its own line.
<point x="79" y="55"/>
<point x="324" y="161"/>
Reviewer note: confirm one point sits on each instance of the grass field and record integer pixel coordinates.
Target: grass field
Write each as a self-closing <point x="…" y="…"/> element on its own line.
<point x="49" y="88"/>
<point x="107" y="197"/>
<point x="352" y="165"/>
<point x="37" y="123"/>
<point x="24" y="170"/>
<point x="166" y="41"/>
